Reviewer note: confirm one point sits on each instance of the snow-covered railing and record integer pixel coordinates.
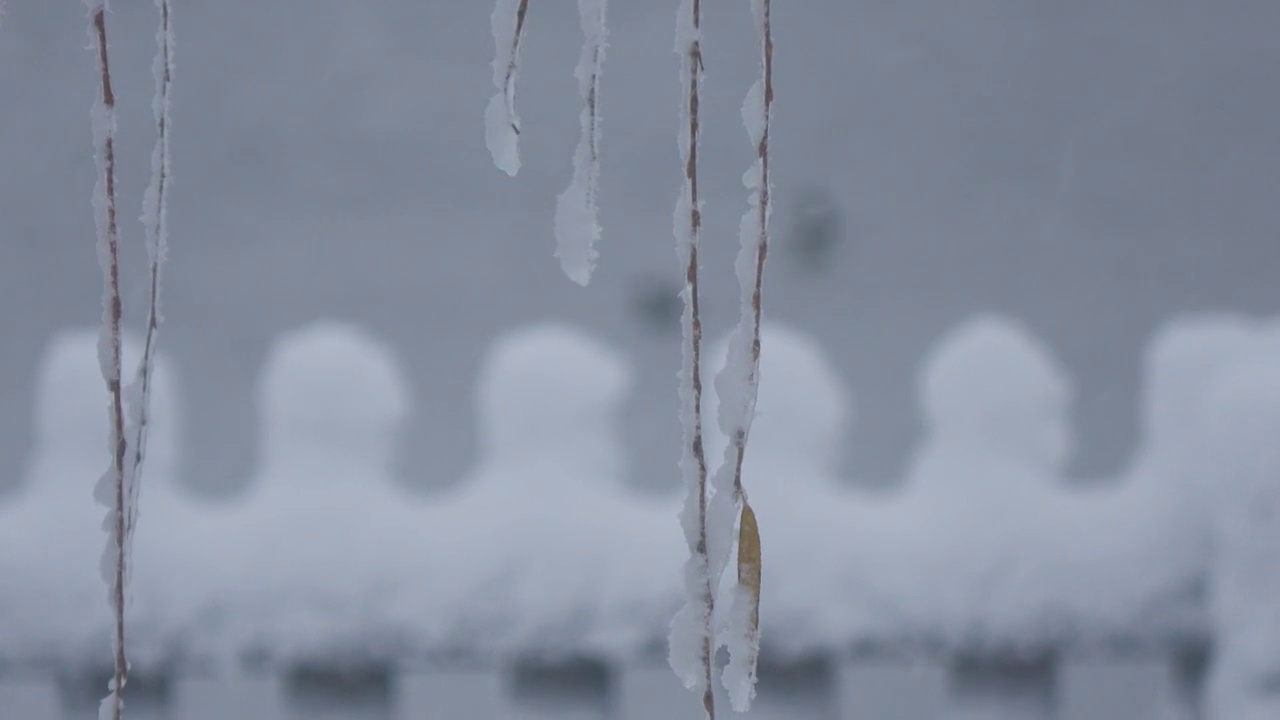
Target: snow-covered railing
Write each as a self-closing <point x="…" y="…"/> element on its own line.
<point x="541" y="586"/>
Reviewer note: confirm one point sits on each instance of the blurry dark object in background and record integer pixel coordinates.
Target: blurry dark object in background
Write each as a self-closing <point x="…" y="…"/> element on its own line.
<point x="816" y="229"/>
<point x="656" y="303"/>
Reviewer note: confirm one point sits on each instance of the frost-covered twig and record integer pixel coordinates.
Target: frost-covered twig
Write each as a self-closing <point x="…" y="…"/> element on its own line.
<point x="577" y="213"/>
<point x="155" y="219"/>
<point x="692" y="650"/>
<point x="738" y="383"/>
<point x="501" y="124"/>
<point x="111" y="489"/>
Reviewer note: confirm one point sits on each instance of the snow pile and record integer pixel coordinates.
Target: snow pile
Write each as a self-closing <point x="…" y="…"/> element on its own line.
<point x="1244" y="422"/>
<point x="319" y="546"/>
<point x="556" y="556"/>
<point x="981" y="491"/>
<point x="51" y="534"/>
<point x="811" y="526"/>
<point x="1133" y="555"/>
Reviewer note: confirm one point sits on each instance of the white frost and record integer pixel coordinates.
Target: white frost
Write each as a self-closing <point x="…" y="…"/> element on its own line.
<point x="691" y="622"/>
<point x="737" y="383"/>
<point x="155" y="210"/>
<point x="501" y="124"/>
<point x="577" y="221"/>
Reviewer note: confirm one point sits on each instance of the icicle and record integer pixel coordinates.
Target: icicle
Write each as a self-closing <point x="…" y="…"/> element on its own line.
<point x="577" y="212"/>
<point x="111" y="486"/>
<point x="501" y="124"/>
<point x="738" y="382"/>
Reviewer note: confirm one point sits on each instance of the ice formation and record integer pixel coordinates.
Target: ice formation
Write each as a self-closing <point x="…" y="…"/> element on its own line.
<point x="1244" y="422"/>
<point x="559" y="558"/>
<point x="323" y="538"/>
<point x="577" y="221"/>
<point x="737" y="383"/>
<point x="1134" y="553"/>
<point x="501" y="124"/>
<point x="52" y="603"/>
<point x="981" y="490"/>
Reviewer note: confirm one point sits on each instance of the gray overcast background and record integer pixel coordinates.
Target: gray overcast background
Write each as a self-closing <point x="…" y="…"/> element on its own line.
<point x="1091" y="167"/>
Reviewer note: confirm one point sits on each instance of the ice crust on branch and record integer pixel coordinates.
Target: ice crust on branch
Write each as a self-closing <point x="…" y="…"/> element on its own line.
<point x="737" y="384"/>
<point x="577" y="223"/>
<point x="501" y="124"/>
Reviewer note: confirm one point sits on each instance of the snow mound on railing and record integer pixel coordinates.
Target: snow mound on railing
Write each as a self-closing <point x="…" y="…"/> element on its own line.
<point x="1134" y="554"/>
<point x="982" y="490"/>
<point x="1244" y="583"/>
<point x="319" y="547"/>
<point x="553" y="554"/>
<point x="812" y="525"/>
<point x="52" y="600"/>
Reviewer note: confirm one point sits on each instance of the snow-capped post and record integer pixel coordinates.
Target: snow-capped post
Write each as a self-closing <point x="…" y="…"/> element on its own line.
<point x="692" y="640"/>
<point x="577" y="221"/>
<point x="737" y="384"/>
<point x="110" y="490"/>
<point x="501" y="124"/>
<point x="155" y="220"/>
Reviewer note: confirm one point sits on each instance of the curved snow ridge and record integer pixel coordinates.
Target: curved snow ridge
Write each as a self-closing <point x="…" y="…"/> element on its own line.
<point x="1137" y="552"/>
<point x="560" y="557"/>
<point x="542" y="549"/>
<point x="317" y="545"/>
<point x="981" y="491"/>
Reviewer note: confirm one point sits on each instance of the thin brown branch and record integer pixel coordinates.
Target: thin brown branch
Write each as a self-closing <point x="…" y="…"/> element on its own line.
<point x="113" y="312"/>
<point x="694" y="348"/>
<point x="762" y="235"/>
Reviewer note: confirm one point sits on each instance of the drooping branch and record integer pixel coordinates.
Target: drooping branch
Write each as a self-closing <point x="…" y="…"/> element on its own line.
<point x="155" y="219"/>
<point x="738" y="383"/>
<point x="111" y="488"/>
<point x="692" y="642"/>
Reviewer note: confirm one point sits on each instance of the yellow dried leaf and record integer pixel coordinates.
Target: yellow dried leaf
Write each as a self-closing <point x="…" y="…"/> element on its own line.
<point x="749" y="561"/>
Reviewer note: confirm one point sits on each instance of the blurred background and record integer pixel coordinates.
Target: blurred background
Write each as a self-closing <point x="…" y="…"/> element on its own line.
<point x="1091" y="169"/>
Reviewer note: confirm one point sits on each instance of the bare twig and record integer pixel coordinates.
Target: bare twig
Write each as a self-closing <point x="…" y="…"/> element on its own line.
<point x="109" y="256"/>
